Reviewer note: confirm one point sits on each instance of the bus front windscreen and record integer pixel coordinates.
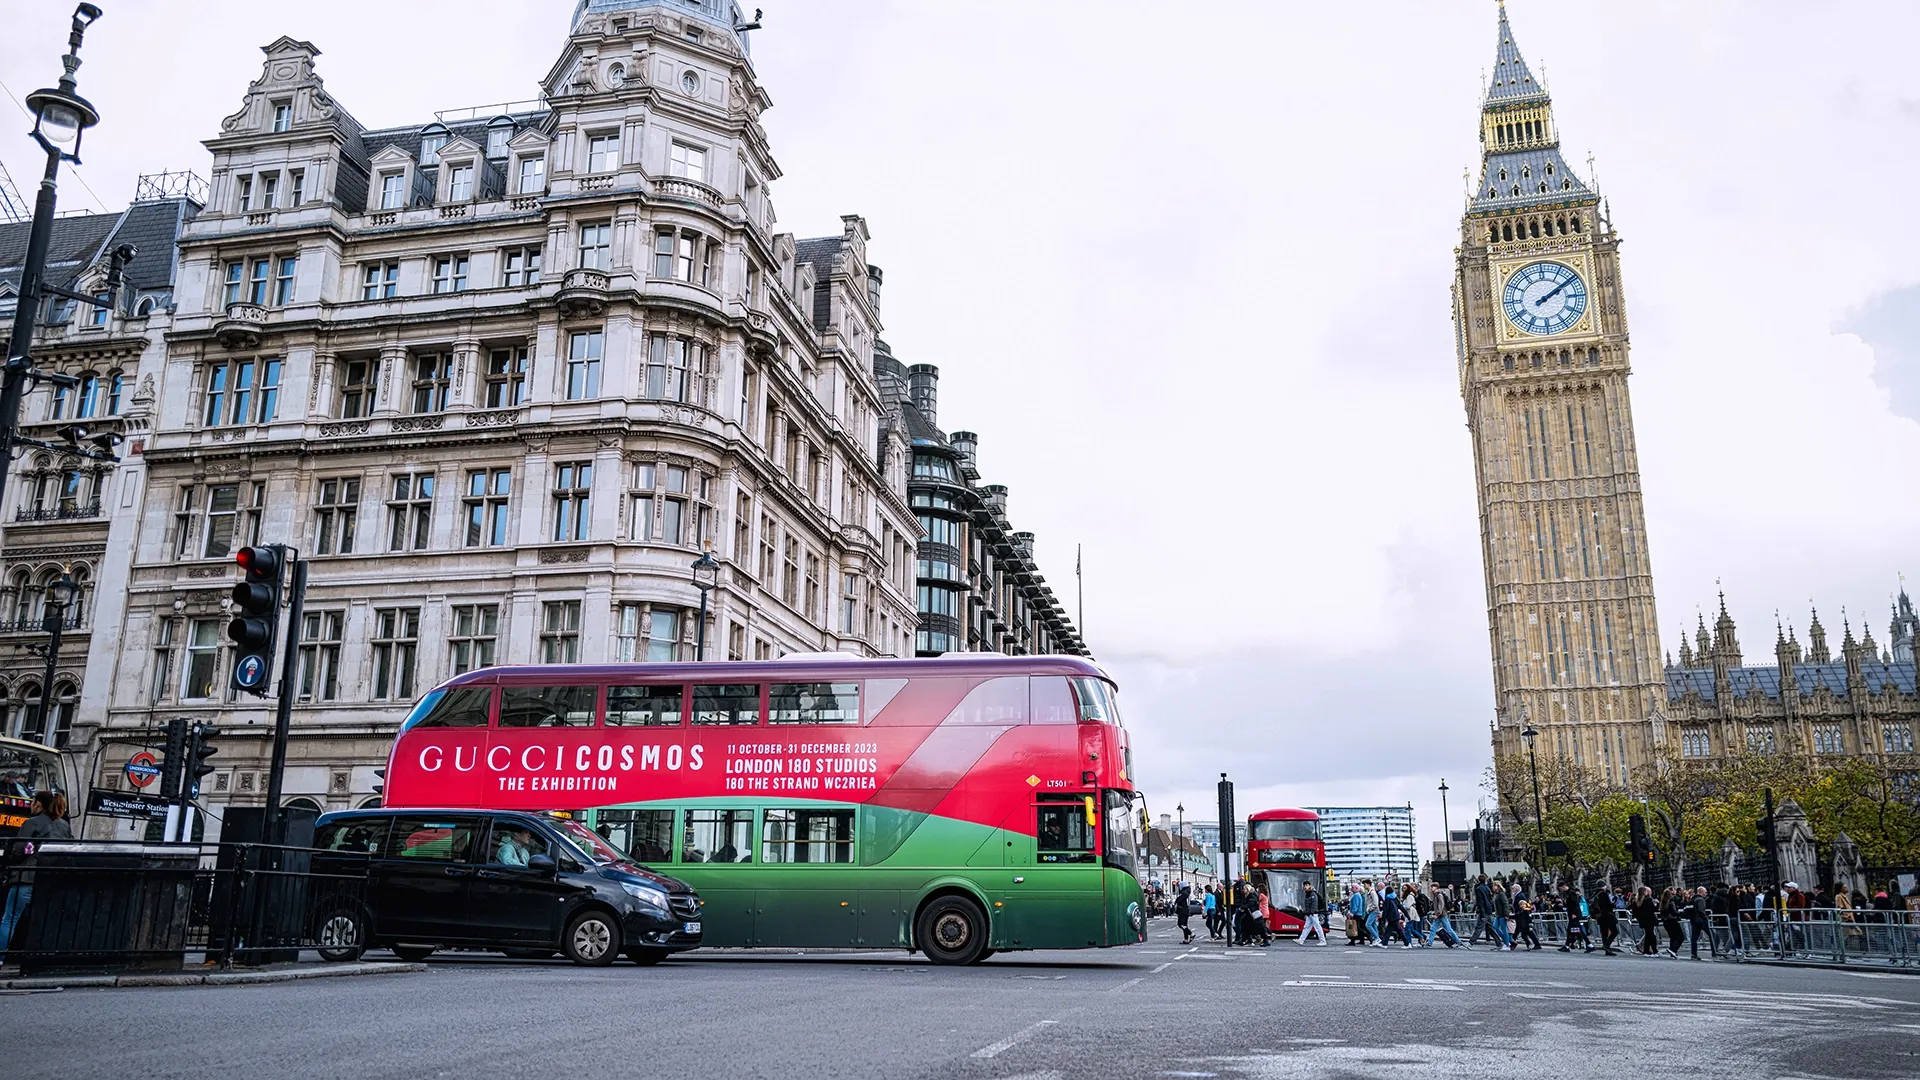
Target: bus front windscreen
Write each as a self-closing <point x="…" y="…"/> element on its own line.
<point x="1290" y="829"/>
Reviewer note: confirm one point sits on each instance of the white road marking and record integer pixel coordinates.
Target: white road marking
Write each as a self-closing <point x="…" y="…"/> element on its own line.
<point x="1501" y="982"/>
<point x="1162" y="967"/>
<point x="1042" y="978"/>
<point x="1332" y="977"/>
<point x="1375" y="985"/>
<point x="1129" y="982"/>
<point x="1018" y="1036"/>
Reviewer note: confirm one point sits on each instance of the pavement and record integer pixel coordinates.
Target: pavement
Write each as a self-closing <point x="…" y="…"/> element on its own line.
<point x="1161" y="1009"/>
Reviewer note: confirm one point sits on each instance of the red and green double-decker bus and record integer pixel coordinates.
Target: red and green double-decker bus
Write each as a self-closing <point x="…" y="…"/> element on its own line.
<point x="959" y="806"/>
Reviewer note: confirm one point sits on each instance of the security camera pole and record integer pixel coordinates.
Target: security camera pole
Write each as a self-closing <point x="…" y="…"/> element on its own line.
<point x="60" y="117"/>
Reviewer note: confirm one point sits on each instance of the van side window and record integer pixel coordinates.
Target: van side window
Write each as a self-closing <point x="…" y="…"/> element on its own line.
<point x="547" y="706"/>
<point x="363" y="835"/>
<point x="431" y="839"/>
<point x="512" y="842"/>
<point x="465" y="707"/>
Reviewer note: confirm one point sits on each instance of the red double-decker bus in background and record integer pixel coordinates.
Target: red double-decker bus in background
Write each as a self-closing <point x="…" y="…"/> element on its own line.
<point x="1284" y="852"/>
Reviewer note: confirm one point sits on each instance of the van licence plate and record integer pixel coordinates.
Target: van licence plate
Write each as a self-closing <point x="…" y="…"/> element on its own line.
<point x="692" y="928"/>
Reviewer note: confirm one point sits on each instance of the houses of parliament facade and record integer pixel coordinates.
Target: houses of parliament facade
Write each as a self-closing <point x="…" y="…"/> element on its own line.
<point x="1542" y="340"/>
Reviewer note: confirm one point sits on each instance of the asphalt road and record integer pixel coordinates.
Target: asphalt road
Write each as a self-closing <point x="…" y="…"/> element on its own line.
<point x="1155" y="1010"/>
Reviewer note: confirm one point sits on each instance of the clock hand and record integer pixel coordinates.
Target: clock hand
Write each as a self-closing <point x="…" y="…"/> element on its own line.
<point x="1554" y="293"/>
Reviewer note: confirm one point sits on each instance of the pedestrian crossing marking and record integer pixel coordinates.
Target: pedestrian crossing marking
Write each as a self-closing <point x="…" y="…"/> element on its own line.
<point x="1375" y="985"/>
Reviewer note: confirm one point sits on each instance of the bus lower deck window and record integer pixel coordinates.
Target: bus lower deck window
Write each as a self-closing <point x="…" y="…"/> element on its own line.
<point x="808" y="836"/>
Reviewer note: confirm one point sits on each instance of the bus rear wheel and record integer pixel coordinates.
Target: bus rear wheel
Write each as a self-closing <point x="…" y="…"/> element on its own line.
<point x="952" y="930"/>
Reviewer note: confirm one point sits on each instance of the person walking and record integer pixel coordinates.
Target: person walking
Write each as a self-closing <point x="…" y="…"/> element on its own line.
<point x="1356" y="917"/>
<point x="1370" y="904"/>
<point x="1700" y="924"/>
<point x="1523" y="919"/>
<point x="1502" y="911"/>
<point x="49" y="822"/>
<point x="1608" y="917"/>
<point x="1391" y="918"/>
<point x="1208" y="903"/>
<point x="1442" y="925"/>
<point x="1264" y="912"/>
<point x="1181" y="913"/>
<point x="1646" y="912"/>
<point x="1422" y="907"/>
<point x="1311" y="906"/>
<point x="1670" y="919"/>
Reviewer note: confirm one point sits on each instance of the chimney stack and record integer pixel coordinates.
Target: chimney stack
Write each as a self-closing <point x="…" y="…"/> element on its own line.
<point x="965" y="443"/>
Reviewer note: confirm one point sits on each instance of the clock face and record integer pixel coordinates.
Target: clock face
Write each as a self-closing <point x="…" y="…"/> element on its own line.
<point x="1545" y="298"/>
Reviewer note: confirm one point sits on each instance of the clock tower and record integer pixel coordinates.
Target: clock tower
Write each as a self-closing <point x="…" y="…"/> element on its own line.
<point x="1540" y="328"/>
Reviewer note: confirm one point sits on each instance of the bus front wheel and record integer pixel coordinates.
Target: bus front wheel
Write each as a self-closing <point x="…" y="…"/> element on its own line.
<point x="952" y="930"/>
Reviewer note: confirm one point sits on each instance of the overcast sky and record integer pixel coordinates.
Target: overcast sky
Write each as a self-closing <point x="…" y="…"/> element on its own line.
<point x="1185" y="270"/>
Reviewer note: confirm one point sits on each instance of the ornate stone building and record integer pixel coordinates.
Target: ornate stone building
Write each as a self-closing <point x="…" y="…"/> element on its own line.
<point x="501" y="376"/>
<point x="1541" y="335"/>
<point x="977" y="585"/>
<point x="1863" y="703"/>
<point x="63" y="513"/>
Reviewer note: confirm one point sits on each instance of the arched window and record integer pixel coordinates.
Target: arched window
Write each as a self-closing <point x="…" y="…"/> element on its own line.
<point x="303" y="803"/>
<point x="1575" y="219"/>
<point x="1535" y="359"/>
<point x="83" y="592"/>
<point x="1562" y="222"/>
<point x="89" y="397"/>
<point x="145" y="307"/>
<point x="1593" y="356"/>
<point x="66" y="699"/>
<point x="371" y="804"/>
<point x="1533" y="229"/>
<point x="20" y="595"/>
<point x="1566" y="358"/>
<point x="1506" y="230"/>
<point x="1493" y="234"/>
<point x="28" y="697"/>
<point x="6" y="714"/>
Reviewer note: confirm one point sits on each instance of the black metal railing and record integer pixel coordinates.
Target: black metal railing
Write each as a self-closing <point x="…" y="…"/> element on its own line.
<point x="72" y="512"/>
<point x="38" y="623"/>
<point x="113" y="905"/>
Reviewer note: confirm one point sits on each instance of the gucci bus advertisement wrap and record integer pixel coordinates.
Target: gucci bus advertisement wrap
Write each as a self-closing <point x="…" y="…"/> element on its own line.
<point x="964" y="805"/>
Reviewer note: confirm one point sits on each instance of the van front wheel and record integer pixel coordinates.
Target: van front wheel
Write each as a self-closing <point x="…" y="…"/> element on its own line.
<point x="592" y="939"/>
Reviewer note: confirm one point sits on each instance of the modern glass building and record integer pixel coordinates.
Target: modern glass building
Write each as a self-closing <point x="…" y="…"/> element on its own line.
<point x="1364" y="841"/>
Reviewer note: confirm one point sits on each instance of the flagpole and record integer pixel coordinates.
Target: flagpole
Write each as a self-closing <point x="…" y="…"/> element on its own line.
<point x="1079" y="596"/>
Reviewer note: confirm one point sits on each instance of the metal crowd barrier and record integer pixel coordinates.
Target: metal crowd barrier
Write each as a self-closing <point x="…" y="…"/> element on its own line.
<point x="1837" y="935"/>
<point x="114" y="905"/>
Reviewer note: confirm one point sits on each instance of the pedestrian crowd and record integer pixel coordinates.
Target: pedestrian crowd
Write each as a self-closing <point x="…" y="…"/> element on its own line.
<point x="1502" y="915"/>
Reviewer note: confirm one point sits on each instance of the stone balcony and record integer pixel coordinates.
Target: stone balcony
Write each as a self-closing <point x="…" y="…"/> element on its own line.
<point x="243" y="326"/>
<point x="583" y="292"/>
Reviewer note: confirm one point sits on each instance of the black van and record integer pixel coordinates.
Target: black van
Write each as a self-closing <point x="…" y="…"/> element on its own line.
<point x="526" y="884"/>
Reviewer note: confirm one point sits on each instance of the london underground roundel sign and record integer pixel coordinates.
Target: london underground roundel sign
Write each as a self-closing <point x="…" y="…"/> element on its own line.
<point x="142" y="769"/>
<point x="250" y="672"/>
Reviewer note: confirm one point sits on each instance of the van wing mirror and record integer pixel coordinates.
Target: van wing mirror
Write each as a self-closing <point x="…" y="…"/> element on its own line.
<point x="543" y="863"/>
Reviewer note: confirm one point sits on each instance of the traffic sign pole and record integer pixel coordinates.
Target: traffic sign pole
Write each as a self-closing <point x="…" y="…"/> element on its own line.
<point x="283" y="712"/>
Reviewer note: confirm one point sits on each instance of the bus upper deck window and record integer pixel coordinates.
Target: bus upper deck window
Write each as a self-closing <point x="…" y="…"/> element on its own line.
<point x="1096" y="701"/>
<point x="547" y="706"/>
<point x="813" y="703"/>
<point x="466" y="706"/>
<point x="644" y="706"/>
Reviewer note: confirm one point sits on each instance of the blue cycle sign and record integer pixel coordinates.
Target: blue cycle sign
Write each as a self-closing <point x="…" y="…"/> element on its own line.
<point x="142" y="769"/>
<point x="250" y="672"/>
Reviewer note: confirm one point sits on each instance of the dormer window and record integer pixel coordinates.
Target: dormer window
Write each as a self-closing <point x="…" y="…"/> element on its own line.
<point x="460" y="183"/>
<point x="282" y="115"/>
<point x="497" y="135"/>
<point x="1526" y="172"/>
<point x="393" y="190"/>
<point x="1503" y="174"/>
<point x="1549" y="168"/>
<point x="430" y="147"/>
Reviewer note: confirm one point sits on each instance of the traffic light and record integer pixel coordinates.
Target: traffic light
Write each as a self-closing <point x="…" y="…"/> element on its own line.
<point x="380" y="781"/>
<point x="1763" y="833"/>
<point x="1639" y="847"/>
<point x="1477" y="845"/>
<point x="173" y="761"/>
<point x="200" y="747"/>
<point x="256" y="617"/>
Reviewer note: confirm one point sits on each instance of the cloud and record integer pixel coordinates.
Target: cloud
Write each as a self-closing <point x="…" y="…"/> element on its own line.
<point x="1889" y="324"/>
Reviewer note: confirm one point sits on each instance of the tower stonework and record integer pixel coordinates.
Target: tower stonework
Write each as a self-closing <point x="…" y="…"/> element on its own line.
<point x="1541" y="335"/>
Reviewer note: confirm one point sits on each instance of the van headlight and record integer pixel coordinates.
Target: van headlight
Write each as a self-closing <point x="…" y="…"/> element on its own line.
<point x="649" y="898"/>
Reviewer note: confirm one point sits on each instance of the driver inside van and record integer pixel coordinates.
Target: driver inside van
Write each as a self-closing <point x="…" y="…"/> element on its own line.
<point x="515" y="845"/>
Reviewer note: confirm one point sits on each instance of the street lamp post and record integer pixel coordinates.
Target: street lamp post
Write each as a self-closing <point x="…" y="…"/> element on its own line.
<point x="60" y="117"/>
<point x="1539" y="817"/>
<point x="1446" y="830"/>
<point x="706" y="578"/>
<point x="60" y="594"/>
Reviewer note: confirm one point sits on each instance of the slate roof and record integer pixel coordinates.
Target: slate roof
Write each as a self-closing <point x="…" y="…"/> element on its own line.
<point x="1808" y="677"/>
<point x="1512" y="82"/>
<point x="80" y="239"/>
<point x="1497" y="194"/>
<point x="822" y="253"/>
<point x="475" y="131"/>
<point x="891" y="376"/>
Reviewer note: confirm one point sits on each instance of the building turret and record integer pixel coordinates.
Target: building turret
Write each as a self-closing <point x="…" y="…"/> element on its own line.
<point x="1686" y="654"/>
<point x="1703" y="643"/>
<point x="1817" y="641"/>
<point x="1726" y="646"/>
<point x="1851" y="654"/>
<point x="1905" y="629"/>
